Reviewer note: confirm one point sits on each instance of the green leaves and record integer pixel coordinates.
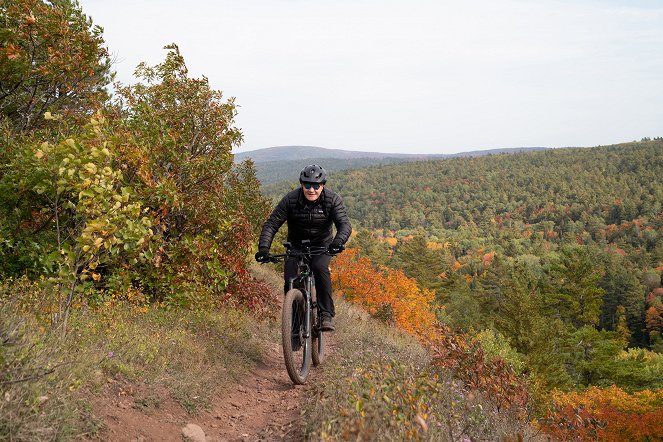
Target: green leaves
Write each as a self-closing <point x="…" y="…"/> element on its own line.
<point x="86" y="216"/>
<point x="54" y="61"/>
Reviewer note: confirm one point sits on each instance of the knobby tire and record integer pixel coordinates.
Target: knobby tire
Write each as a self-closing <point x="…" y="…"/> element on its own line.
<point x="318" y="338"/>
<point x="297" y="362"/>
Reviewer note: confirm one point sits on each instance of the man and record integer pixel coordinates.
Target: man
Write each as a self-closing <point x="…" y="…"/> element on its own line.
<point x="310" y="211"/>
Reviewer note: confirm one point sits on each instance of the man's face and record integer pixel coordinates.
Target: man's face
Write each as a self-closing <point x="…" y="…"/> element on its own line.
<point x="310" y="191"/>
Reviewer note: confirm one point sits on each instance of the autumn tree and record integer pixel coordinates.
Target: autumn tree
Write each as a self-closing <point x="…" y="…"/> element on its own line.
<point x="177" y="136"/>
<point x="387" y="294"/>
<point x="52" y="58"/>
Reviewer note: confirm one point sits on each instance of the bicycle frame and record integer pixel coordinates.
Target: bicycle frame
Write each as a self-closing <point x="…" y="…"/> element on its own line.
<point x="304" y="280"/>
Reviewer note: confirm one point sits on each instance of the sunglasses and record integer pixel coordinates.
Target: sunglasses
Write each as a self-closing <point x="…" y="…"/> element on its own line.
<point x="316" y="186"/>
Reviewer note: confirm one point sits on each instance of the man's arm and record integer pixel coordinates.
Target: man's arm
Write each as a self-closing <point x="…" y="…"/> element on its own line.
<point x="273" y="223"/>
<point x="340" y="218"/>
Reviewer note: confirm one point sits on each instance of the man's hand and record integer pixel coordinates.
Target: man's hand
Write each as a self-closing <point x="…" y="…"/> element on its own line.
<point x="262" y="255"/>
<point x="335" y="248"/>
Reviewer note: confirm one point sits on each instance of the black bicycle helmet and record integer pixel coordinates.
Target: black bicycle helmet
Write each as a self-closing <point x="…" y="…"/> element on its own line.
<point x="313" y="174"/>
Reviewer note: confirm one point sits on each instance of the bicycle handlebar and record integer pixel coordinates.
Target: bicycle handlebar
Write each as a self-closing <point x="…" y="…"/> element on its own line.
<point x="309" y="251"/>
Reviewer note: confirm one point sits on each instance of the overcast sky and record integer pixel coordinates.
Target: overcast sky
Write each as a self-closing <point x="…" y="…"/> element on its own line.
<point x="411" y="76"/>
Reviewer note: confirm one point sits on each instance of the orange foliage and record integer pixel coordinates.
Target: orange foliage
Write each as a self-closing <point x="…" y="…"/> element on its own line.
<point x="384" y="290"/>
<point x="607" y="414"/>
<point x="492" y="376"/>
<point x="434" y="245"/>
<point x="654" y="319"/>
<point x="391" y="241"/>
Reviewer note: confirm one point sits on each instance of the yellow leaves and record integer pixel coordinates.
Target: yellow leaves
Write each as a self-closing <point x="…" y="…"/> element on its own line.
<point x="48" y="116"/>
<point x="70" y="142"/>
<point x="90" y="168"/>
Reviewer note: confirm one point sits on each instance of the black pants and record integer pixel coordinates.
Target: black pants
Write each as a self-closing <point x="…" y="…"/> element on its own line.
<point x="323" y="286"/>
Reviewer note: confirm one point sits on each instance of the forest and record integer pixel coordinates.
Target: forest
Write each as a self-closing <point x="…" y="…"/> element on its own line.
<point x="567" y="238"/>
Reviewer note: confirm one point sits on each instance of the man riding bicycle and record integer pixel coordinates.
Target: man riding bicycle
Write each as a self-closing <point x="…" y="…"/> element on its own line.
<point x="310" y="212"/>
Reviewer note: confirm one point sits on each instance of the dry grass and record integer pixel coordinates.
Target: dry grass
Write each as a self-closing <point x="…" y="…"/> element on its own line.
<point x="45" y="378"/>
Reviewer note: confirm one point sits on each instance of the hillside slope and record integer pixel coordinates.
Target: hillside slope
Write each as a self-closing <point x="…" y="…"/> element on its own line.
<point x="275" y="163"/>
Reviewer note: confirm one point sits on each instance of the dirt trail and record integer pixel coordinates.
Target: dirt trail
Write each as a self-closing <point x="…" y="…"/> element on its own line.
<point x="264" y="406"/>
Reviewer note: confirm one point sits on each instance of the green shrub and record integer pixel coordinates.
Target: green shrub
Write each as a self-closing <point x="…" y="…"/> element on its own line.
<point x="495" y="345"/>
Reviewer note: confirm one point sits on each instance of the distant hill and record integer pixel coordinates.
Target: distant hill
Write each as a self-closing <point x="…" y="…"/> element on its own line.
<point x="275" y="164"/>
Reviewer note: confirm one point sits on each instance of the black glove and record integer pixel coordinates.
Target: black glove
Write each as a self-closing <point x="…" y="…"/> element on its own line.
<point x="335" y="248"/>
<point x="262" y="255"/>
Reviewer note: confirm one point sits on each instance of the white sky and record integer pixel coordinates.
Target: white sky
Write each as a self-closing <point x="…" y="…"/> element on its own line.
<point x="411" y="76"/>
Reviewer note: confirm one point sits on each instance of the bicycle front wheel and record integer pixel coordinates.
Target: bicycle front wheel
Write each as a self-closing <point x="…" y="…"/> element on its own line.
<point x="296" y="347"/>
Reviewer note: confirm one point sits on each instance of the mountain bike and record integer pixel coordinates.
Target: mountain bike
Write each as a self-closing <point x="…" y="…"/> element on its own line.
<point x="302" y="340"/>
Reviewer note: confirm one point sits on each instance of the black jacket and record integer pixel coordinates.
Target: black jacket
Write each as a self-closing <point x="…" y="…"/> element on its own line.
<point x="306" y="220"/>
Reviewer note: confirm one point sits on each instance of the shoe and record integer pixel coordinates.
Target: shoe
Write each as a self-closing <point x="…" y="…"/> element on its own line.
<point x="327" y="324"/>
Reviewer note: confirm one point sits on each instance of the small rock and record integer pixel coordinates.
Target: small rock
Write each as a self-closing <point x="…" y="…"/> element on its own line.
<point x="193" y="433"/>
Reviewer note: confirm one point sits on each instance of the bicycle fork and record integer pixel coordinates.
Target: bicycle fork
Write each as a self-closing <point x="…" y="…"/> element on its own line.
<point x="308" y="307"/>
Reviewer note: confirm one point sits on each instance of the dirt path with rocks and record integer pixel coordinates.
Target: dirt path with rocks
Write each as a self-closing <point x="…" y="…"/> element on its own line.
<point x="264" y="406"/>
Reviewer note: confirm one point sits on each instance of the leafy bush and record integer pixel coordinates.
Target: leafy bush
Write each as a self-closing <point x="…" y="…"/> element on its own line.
<point x="69" y="211"/>
<point x="494" y="345"/>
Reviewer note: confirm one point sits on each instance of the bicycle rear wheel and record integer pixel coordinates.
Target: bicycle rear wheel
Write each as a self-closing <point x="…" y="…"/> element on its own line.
<point x="317" y="337"/>
<point x="296" y="348"/>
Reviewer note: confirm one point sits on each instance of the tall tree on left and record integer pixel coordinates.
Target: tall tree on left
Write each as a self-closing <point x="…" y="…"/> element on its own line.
<point x="52" y="59"/>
